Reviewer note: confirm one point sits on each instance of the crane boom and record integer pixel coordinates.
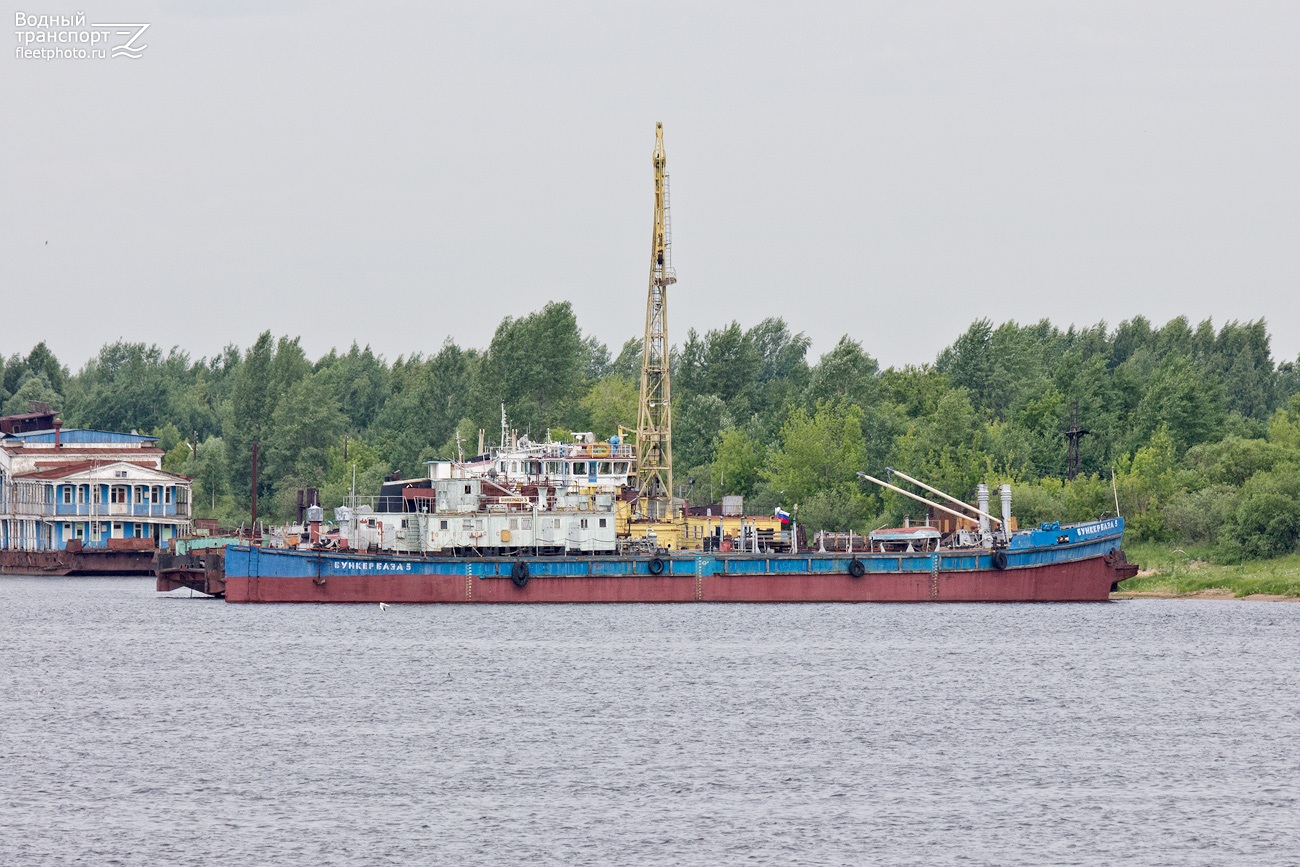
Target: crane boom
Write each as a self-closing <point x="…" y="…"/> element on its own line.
<point x="654" y="429"/>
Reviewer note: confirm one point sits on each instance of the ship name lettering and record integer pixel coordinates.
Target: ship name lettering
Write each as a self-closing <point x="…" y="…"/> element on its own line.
<point x="358" y="566"/>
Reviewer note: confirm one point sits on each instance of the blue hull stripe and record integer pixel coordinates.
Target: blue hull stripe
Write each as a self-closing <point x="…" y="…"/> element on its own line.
<point x="1067" y="545"/>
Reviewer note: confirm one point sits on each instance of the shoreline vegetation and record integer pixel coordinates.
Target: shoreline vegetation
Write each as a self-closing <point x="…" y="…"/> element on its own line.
<point x="1174" y="572"/>
<point x="1192" y="432"/>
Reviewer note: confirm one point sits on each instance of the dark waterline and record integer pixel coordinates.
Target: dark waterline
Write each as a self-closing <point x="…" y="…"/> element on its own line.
<point x="146" y="729"/>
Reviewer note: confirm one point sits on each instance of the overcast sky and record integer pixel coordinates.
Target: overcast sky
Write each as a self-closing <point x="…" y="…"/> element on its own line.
<point x="400" y="174"/>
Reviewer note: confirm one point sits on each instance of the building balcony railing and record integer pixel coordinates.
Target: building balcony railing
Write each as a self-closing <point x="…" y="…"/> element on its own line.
<point x="27" y="509"/>
<point x="96" y="510"/>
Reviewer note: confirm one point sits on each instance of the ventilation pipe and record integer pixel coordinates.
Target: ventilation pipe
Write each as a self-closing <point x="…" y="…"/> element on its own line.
<point x="982" y="498"/>
<point x="1006" y="510"/>
<point x="315" y="514"/>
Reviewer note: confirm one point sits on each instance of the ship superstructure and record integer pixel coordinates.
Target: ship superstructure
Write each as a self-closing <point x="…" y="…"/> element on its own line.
<point x="468" y="516"/>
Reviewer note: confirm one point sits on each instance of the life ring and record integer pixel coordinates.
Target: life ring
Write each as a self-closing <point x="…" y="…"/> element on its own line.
<point x="519" y="574"/>
<point x="599" y="450"/>
<point x="999" y="560"/>
<point x="857" y="568"/>
<point x="656" y="566"/>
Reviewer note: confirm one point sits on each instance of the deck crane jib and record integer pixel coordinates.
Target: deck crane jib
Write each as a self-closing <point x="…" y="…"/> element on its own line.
<point x="654" y="476"/>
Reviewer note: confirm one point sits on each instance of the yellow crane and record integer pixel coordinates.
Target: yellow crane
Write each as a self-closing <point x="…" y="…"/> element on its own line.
<point x="654" y="428"/>
<point x="653" y="518"/>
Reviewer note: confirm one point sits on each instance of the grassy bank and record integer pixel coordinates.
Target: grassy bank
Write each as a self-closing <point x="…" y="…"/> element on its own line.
<point x="1175" y="571"/>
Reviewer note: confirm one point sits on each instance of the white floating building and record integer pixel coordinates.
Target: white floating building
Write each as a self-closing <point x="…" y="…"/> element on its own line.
<point x="75" y="489"/>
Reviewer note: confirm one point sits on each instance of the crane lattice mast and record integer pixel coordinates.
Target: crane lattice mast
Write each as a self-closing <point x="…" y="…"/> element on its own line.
<point x="654" y="428"/>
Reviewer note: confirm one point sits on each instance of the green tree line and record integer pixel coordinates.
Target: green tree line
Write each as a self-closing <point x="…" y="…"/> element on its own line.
<point x="1195" y="430"/>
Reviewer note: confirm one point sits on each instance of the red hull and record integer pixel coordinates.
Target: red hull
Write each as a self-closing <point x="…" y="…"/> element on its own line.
<point x="1082" y="581"/>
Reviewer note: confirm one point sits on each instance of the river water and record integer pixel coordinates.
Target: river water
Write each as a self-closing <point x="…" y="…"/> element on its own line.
<point x="138" y="728"/>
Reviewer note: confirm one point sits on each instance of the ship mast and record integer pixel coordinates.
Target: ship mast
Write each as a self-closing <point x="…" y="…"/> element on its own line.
<point x="654" y="428"/>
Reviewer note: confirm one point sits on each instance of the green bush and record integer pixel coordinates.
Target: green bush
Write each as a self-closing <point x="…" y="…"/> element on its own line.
<point x="1032" y="503"/>
<point x="837" y="509"/>
<point x="1266" y="522"/>
<point x="1198" y="517"/>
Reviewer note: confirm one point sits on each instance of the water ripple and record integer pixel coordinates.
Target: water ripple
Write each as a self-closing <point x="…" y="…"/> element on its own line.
<point x="139" y="729"/>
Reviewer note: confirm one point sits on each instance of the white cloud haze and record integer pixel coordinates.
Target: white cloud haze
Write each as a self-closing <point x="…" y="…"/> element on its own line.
<point x="398" y="174"/>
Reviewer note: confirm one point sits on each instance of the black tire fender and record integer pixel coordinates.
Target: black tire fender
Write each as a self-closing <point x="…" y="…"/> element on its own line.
<point x="857" y="568"/>
<point x="656" y="566"/>
<point x="999" y="560"/>
<point x="519" y="574"/>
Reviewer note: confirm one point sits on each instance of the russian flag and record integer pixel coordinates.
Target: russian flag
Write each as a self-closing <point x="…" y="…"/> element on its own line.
<point x="783" y="515"/>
